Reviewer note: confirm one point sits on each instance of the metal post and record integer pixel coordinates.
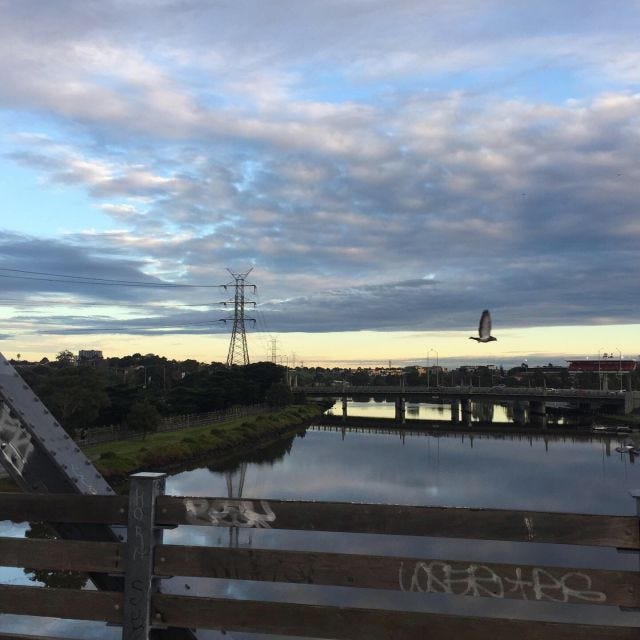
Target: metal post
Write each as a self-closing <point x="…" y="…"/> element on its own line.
<point x="635" y="493"/>
<point x="142" y="538"/>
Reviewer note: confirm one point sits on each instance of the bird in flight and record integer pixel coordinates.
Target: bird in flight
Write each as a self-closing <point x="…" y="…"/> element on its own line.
<point x="484" y="329"/>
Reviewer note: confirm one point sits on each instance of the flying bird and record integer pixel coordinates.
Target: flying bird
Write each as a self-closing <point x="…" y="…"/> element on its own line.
<point x="484" y="329"/>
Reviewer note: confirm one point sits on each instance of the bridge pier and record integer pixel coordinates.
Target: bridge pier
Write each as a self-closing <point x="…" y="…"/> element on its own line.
<point x="455" y="411"/>
<point x="344" y="408"/>
<point x="538" y="413"/>
<point x="400" y="410"/>
<point x="466" y="411"/>
<point x="518" y="412"/>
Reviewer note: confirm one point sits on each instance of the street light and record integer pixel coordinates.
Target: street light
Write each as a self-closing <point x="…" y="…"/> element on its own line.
<point x="619" y="366"/>
<point x="437" y="364"/>
<point x="604" y="354"/>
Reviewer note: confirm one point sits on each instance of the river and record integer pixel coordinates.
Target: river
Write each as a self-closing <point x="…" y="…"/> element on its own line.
<point x="546" y="472"/>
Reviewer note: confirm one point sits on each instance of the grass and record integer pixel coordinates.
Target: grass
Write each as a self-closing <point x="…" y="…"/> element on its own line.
<point x="629" y="419"/>
<point x="160" y="451"/>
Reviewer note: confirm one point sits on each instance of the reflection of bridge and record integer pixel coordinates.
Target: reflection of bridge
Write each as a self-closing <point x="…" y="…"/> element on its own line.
<point x="460" y="399"/>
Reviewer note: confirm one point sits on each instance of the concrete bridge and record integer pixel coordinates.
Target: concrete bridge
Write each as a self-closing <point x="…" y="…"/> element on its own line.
<point x="460" y="398"/>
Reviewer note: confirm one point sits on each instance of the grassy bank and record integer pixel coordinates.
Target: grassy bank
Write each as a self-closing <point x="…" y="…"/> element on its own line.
<point x="630" y="419"/>
<point x="169" y="450"/>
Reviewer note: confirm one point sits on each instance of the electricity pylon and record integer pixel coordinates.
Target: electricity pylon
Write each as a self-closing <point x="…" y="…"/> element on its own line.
<point x="238" y="353"/>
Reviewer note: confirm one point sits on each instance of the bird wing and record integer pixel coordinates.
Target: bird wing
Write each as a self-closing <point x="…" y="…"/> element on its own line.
<point x="485" y="324"/>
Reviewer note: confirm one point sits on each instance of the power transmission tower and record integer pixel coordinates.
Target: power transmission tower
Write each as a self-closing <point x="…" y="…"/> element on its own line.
<point x="238" y="351"/>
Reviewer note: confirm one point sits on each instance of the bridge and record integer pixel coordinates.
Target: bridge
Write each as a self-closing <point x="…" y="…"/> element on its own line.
<point x="460" y="398"/>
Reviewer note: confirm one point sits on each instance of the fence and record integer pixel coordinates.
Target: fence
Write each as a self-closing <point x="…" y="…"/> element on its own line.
<point x="140" y="607"/>
<point x="110" y="433"/>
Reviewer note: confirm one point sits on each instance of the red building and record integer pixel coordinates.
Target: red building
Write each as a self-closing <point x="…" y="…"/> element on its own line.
<point x="603" y="365"/>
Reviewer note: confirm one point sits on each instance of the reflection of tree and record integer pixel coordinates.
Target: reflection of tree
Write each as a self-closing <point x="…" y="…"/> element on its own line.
<point x="57" y="578"/>
<point x="482" y="411"/>
<point x="269" y="454"/>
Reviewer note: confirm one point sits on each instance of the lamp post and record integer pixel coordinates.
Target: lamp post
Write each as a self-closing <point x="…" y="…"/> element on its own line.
<point x="437" y="364"/>
<point x="599" y="374"/>
<point x="619" y="366"/>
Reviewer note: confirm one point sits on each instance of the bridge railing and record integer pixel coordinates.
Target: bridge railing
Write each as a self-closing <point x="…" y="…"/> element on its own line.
<point x="460" y="391"/>
<point x="144" y="559"/>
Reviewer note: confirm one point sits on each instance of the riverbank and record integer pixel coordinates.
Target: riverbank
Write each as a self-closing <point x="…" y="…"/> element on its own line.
<point x="171" y="450"/>
<point x="212" y="443"/>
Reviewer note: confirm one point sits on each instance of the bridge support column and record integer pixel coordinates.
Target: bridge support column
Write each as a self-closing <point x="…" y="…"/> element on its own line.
<point x="518" y="412"/>
<point x="344" y="408"/>
<point x="538" y="413"/>
<point x="466" y="411"/>
<point x="400" y="410"/>
<point x="455" y="411"/>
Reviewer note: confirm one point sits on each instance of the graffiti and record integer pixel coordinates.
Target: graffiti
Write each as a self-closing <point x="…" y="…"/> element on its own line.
<point x="529" y="583"/>
<point x="528" y="522"/>
<point x="229" y="513"/>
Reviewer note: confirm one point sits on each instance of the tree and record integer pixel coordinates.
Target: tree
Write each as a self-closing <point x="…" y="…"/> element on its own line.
<point x="143" y="416"/>
<point x="74" y="395"/>
<point x="279" y="395"/>
<point x="65" y="358"/>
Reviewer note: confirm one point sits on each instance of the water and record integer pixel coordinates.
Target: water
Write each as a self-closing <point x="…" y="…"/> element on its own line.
<point x="480" y="411"/>
<point x="547" y="473"/>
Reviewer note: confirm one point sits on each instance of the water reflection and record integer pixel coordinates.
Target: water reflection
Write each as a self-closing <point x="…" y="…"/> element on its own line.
<point x="487" y="412"/>
<point x="544" y="472"/>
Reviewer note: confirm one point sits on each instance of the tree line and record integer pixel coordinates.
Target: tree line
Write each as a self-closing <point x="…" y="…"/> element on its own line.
<point x="136" y="391"/>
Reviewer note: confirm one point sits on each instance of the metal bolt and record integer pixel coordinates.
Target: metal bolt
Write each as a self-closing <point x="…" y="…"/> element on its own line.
<point x="121" y="510"/>
<point x="158" y="616"/>
<point x="163" y="559"/>
<point x="116" y="607"/>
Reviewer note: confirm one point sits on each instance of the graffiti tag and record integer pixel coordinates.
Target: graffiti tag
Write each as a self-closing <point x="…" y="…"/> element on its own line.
<point x="531" y="583"/>
<point x="229" y="513"/>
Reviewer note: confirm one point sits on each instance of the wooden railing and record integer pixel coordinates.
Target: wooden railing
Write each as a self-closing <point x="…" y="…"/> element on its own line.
<point x="143" y="559"/>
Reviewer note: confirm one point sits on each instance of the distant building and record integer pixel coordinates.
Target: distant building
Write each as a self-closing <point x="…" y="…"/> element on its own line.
<point x="602" y="365"/>
<point x="89" y="356"/>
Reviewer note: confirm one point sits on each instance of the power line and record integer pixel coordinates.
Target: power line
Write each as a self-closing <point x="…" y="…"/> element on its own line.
<point x="71" y="279"/>
<point x="67" y="303"/>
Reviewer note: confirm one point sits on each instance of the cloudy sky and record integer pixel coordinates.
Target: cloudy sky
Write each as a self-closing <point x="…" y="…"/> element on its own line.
<point x="388" y="170"/>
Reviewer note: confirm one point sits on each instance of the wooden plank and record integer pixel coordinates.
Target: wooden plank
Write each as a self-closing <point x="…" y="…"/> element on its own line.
<point x="351" y="623"/>
<point x="49" y="507"/>
<point x="20" y="636"/>
<point x="520" y="582"/>
<point x="485" y="524"/>
<point x="105" y="606"/>
<point x="72" y="555"/>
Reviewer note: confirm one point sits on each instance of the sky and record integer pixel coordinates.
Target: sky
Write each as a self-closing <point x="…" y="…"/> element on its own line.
<point x="387" y="171"/>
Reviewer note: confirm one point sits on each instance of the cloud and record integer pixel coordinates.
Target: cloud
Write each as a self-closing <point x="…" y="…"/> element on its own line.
<point x="345" y="151"/>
